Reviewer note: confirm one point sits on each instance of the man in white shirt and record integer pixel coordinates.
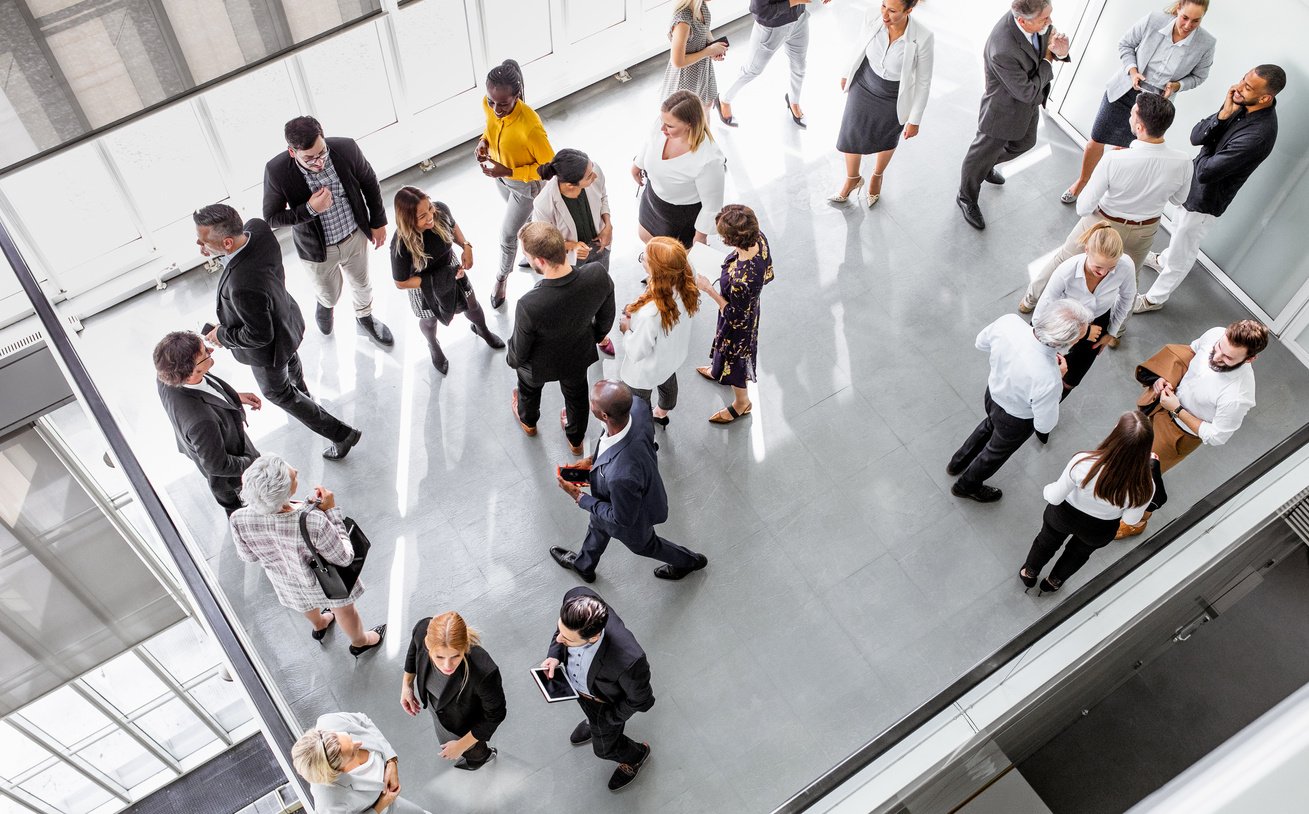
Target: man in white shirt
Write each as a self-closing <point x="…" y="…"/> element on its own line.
<point x="1210" y="401"/>
<point x="1129" y="190"/>
<point x="1022" y="393"/>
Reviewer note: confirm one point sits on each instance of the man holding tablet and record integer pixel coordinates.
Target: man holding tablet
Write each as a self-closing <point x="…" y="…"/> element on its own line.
<point x="608" y="670"/>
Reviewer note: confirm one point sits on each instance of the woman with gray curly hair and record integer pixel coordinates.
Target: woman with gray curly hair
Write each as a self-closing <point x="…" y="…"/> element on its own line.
<point x="267" y="531"/>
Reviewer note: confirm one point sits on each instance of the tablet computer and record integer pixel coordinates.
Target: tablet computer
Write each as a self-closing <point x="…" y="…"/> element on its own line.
<point x="554" y="689"/>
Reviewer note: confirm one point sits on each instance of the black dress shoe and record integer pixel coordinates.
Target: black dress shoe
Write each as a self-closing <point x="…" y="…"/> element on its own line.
<point x="323" y="316"/>
<point x="972" y="213"/>
<point x="472" y="766"/>
<point x="568" y="561"/>
<point x="581" y="733"/>
<point x="982" y="494"/>
<point x="672" y="573"/>
<point x="374" y="328"/>
<point x="626" y="772"/>
<point x="439" y="361"/>
<point x="490" y="338"/>
<point x="954" y="471"/>
<point x="340" y="449"/>
<point x="994" y="177"/>
<point x="523" y="263"/>
<point x="380" y="630"/>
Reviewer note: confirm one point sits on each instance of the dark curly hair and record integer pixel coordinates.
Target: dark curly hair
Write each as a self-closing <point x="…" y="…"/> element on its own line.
<point x="175" y="357"/>
<point x="302" y="131"/>
<point x="737" y="226"/>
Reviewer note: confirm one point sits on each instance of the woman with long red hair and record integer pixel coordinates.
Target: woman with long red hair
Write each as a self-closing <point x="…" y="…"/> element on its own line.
<point x="658" y="325"/>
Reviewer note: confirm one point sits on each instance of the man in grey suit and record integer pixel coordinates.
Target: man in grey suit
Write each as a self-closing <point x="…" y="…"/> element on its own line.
<point x="1017" y="62"/>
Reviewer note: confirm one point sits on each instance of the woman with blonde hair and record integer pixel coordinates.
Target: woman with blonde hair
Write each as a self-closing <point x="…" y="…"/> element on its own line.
<point x="692" y="52"/>
<point x="350" y="766"/>
<point x="1104" y="280"/>
<point x="658" y="338"/>
<point x="423" y="263"/>
<point x="448" y="672"/>
<point x="686" y="172"/>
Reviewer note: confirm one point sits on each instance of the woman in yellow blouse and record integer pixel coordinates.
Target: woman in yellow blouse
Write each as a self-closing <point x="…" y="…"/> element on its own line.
<point x="511" y="148"/>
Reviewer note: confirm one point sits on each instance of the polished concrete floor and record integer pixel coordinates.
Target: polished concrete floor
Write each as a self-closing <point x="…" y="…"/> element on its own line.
<point x="846" y="585"/>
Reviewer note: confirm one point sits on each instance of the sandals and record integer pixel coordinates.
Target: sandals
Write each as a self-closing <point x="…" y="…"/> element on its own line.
<point x="732" y="414"/>
<point x="839" y="198"/>
<point x="704" y="371"/>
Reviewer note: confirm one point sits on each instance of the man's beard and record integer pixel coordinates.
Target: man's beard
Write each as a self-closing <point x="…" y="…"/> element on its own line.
<point x="1220" y="368"/>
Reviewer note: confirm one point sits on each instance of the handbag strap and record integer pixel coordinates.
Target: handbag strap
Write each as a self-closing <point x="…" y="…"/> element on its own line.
<point x="315" y="559"/>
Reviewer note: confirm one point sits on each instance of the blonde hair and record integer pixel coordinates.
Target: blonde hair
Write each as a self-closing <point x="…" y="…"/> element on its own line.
<point x="686" y="108"/>
<point x="407" y="200"/>
<point x="316" y="756"/>
<point x="670" y="272"/>
<point x="450" y="630"/>
<point x="1176" y="7"/>
<point x="1102" y="240"/>
<point x="696" y="7"/>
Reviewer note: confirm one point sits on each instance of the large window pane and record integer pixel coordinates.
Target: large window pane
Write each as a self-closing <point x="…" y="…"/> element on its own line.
<point x="122" y="758"/>
<point x="65" y="716"/>
<point x="126" y="683"/>
<point x="220" y="36"/>
<point x="248" y="114"/>
<point x="433" y="75"/>
<point x="184" y="651"/>
<point x="348" y="81"/>
<point x="587" y="17"/>
<point x="175" y="727"/>
<point x="67" y="790"/>
<point x="528" y="38"/>
<point x="310" y="17"/>
<point x="18" y="753"/>
<point x="222" y="700"/>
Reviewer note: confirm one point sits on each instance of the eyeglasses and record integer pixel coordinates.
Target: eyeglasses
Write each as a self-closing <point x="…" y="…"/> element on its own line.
<point x="318" y="160"/>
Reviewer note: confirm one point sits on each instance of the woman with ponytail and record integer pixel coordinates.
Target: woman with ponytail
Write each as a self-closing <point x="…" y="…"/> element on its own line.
<point x="1103" y="279"/>
<point x="511" y="150"/>
<point x="658" y="325"/>
<point x="448" y="672"/>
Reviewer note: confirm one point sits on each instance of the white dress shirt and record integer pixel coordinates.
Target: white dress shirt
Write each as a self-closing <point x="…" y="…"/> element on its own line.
<point x="607" y="440"/>
<point x="694" y="177"/>
<point x="1114" y="294"/>
<point x="1162" y="66"/>
<point x="650" y="356"/>
<point x="1025" y="378"/>
<point x="1136" y="183"/>
<point x="1219" y="400"/>
<point x="886" y="58"/>
<point x="1069" y="489"/>
<point x="205" y="385"/>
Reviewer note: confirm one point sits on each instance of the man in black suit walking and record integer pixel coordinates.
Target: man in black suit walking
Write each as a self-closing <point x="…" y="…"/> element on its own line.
<point x="627" y="497"/>
<point x="1017" y="62"/>
<point x="556" y="328"/>
<point x="608" y="669"/>
<point x="206" y="413"/>
<point x="259" y="321"/>
<point x="327" y="192"/>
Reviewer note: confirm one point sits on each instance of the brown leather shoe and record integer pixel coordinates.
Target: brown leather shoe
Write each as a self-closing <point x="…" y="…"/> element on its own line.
<point x="1126" y="530"/>
<point x="530" y="431"/>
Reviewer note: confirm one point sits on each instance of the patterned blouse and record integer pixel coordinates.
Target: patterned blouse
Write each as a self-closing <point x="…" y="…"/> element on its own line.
<point x="274" y="541"/>
<point x="735" y="348"/>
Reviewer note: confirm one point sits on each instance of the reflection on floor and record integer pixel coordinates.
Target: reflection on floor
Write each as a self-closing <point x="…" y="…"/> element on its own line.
<point x="846" y="584"/>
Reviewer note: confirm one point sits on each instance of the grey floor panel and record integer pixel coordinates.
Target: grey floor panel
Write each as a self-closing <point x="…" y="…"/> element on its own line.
<point x="846" y="584"/>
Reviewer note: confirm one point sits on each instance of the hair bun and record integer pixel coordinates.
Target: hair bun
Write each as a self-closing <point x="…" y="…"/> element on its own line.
<point x="547" y="170"/>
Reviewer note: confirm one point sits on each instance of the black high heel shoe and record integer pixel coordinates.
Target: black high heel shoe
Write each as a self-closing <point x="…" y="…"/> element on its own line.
<point x="730" y="121"/>
<point x="380" y="630"/>
<point x="1030" y="582"/>
<point x="319" y="634"/>
<point x="1048" y="587"/>
<point x="661" y="420"/>
<point x="799" y="120"/>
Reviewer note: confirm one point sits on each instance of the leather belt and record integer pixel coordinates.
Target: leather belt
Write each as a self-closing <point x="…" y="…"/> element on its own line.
<point x="356" y="229"/>
<point x="591" y="698"/>
<point x="1125" y="221"/>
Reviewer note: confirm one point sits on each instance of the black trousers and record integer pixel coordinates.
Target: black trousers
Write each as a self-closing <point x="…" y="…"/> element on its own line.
<point x="285" y="387"/>
<point x="577" y="409"/>
<point x="987" y="151"/>
<point x="995" y="439"/>
<point x="667" y="393"/>
<point x="1082" y="356"/>
<point x="607" y="738"/>
<point x="654" y="547"/>
<point x="226" y="491"/>
<point x="1083" y="533"/>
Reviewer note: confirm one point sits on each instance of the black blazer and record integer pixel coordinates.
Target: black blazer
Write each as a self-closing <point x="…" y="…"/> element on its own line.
<point x="259" y="321"/>
<point x="478" y="707"/>
<point x="1229" y="151"/>
<point x="620" y="673"/>
<point x="627" y="494"/>
<point x="210" y="430"/>
<point x="1017" y="80"/>
<point x="558" y="323"/>
<point x="286" y="194"/>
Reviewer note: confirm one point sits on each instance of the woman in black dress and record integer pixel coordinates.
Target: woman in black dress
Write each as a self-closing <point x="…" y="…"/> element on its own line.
<point x="448" y="672"/>
<point x="735" y="349"/>
<point x="424" y="263"/>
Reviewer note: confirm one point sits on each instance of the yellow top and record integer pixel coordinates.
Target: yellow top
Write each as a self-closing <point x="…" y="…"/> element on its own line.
<point x="518" y="140"/>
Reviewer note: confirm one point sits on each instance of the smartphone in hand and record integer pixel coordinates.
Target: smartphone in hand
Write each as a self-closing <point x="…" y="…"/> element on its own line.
<point x="575" y="474"/>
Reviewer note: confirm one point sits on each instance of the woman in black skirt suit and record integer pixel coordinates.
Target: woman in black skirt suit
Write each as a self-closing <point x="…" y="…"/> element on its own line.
<point x="887" y="86"/>
<point x="423" y="262"/>
<point x="448" y="672"/>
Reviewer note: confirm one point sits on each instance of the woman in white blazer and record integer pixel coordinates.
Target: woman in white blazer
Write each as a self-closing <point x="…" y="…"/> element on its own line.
<point x="658" y="325"/>
<point x="350" y="766"/>
<point x="886" y="86"/>
<point x="575" y="202"/>
<point x="1165" y="53"/>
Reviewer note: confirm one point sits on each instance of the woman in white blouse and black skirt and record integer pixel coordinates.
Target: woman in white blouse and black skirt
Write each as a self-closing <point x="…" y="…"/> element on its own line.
<point x="423" y="262"/>
<point x="1118" y="480"/>
<point x="886" y="87"/>
<point x="685" y="170"/>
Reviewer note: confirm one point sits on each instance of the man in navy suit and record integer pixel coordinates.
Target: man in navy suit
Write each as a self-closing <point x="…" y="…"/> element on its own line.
<point x="627" y="497"/>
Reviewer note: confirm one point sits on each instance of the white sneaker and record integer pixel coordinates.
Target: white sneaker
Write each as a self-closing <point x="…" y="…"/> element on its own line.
<point x="1151" y="262"/>
<point x="1142" y="305"/>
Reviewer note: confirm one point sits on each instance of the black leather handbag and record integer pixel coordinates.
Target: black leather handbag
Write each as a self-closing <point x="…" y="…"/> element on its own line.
<point x="337" y="581"/>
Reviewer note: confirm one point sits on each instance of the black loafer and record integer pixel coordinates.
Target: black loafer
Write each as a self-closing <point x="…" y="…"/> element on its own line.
<point x="994" y="177"/>
<point x="581" y="733"/>
<point x="954" y="471"/>
<point x="568" y="561"/>
<point x="340" y="449"/>
<point x="626" y="772"/>
<point x="972" y="213"/>
<point x="671" y="573"/>
<point x="374" y="328"/>
<point x="323" y="316"/>
<point x="982" y="494"/>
